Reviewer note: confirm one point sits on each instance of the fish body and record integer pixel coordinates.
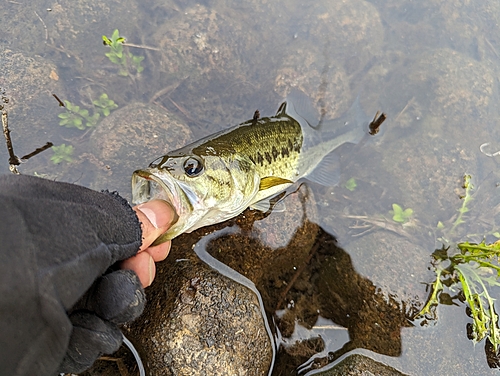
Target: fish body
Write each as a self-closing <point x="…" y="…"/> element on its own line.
<point x="219" y="176"/>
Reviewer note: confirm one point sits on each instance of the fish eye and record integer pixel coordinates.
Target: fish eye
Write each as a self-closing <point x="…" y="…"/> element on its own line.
<point x="193" y="167"/>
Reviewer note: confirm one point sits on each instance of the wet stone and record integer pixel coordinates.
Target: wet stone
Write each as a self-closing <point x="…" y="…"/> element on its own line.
<point x="207" y="334"/>
<point x="359" y="365"/>
<point x="129" y="139"/>
<point x="28" y="82"/>
<point x="314" y="61"/>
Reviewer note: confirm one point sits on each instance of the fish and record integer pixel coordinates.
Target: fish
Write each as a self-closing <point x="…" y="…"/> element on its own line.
<point x="217" y="177"/>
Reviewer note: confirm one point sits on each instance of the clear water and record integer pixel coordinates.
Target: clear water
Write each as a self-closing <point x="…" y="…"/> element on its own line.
<point x="431" y="66"/>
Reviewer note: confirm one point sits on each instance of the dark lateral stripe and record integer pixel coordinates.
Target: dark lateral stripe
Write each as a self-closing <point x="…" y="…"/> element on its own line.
<point x="260" y="159"/>
<point x="268" y="157"/>
<point x="275" y="152"/>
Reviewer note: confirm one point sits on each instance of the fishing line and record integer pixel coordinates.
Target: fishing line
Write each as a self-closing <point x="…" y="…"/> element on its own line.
<point x="201" y="251"/>
<point x="142" y="370"/>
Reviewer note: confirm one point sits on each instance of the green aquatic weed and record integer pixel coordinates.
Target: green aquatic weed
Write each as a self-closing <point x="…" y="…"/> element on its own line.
<point x="105" y="105"/>
<point x="351" y="184"/>
<point x="76" y="117"/>
<point x="473" y="267"/>
<point x="399" y="215"/>
<point x="62" y="153"/>
<point x="127" y="61"/>
<point x="80" y="118"/>
<point x="467" y="197"/>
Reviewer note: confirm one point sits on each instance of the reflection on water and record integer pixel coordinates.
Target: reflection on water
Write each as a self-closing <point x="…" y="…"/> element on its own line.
<point x="431" y="65"/>
<point x="310" y="281"/>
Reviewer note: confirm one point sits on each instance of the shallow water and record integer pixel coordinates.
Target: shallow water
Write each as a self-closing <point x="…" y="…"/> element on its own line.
<point x="431" y="66"/>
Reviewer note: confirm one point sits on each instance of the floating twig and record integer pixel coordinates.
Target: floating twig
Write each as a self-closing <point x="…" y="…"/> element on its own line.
<point x="376" y="123"/>
<point x="61" y="104"/>
<point x="14" y="160"/>
<point x="141" y="46"/>
<point x="37" y="151"/>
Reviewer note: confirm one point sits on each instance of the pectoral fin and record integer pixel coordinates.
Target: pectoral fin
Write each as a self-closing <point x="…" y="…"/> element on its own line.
<point x="271" y="181"/>
<point x="266" y="205"/>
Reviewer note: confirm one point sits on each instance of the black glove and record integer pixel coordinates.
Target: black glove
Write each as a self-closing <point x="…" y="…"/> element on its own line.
<point x="58" y="308"/>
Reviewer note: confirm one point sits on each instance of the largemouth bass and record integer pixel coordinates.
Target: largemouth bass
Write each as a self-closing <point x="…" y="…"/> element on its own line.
<point x="218" y="177"/>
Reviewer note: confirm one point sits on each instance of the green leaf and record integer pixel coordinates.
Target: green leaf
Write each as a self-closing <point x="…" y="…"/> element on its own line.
<point x="440" y="254"/>
<point x="407" y="213"/>
<point x="62" y="153"/>
<point x="119" y="52"/>
<point x="351" y="184"/>
<point x="400" y="215"/>
<point x="106" y="40"/>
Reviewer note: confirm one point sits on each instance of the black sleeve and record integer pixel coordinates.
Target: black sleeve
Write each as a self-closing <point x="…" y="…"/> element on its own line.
<point x="56" y="239"/>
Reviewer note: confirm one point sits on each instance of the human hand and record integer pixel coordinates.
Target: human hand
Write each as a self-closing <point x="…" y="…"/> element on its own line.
<point x="62" y="297"/>
<point x="156" y="217"/>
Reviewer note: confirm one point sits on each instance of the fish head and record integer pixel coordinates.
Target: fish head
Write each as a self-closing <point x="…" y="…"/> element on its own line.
<point x="204" y="188"/>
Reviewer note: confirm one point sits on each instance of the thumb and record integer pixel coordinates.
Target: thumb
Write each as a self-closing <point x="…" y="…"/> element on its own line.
<point x="156" y="217"/>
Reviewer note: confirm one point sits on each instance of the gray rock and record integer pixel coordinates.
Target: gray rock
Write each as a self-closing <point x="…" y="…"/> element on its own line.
<point x="198" y="322"/>
<point x="129" y="139"/>
<point x="29" y="82"/>
<point x="359" y="365"/>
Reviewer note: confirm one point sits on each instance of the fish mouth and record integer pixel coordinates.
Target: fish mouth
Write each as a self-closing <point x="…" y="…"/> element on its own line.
<point x="150" y="185"/>
<point x="147" y="186"/>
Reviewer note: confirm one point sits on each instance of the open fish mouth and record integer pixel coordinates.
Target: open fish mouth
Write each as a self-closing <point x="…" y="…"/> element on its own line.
<point x="147" y="186"/>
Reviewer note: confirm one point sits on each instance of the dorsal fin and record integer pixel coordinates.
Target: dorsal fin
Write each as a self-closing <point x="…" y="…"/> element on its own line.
<point x="302" y="108"/>
<point x="282" y="109"/>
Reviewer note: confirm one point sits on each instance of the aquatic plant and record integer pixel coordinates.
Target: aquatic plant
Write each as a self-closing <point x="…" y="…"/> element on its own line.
<point x="467" y="185"/>
<point x="80" y="118"/>
<point x="351" y="184"/>
<point x="473" y="269"/>
<point x="127" y="62"/>
<point x="399" y="215"/>
<point x="62" y="153"/>
<point x="105" y="105"/>
<point x="76" y="117"/>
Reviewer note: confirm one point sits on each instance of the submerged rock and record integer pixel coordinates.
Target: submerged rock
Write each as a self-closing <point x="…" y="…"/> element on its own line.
<point x="129" y="139"/>
<point x="198" y="322"/>
<point x="357" y="364"/>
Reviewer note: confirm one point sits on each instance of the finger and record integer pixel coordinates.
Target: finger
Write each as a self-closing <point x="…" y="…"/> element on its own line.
<point x="156" y="216"/>
<point x="159" y="252"/>
<point x="117" y="297"/>
<point x="143" y="265"/>
<point x="90" y="337"/>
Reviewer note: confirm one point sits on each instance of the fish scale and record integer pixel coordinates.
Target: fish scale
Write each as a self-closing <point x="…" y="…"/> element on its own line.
<point x="273" y="145"/>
